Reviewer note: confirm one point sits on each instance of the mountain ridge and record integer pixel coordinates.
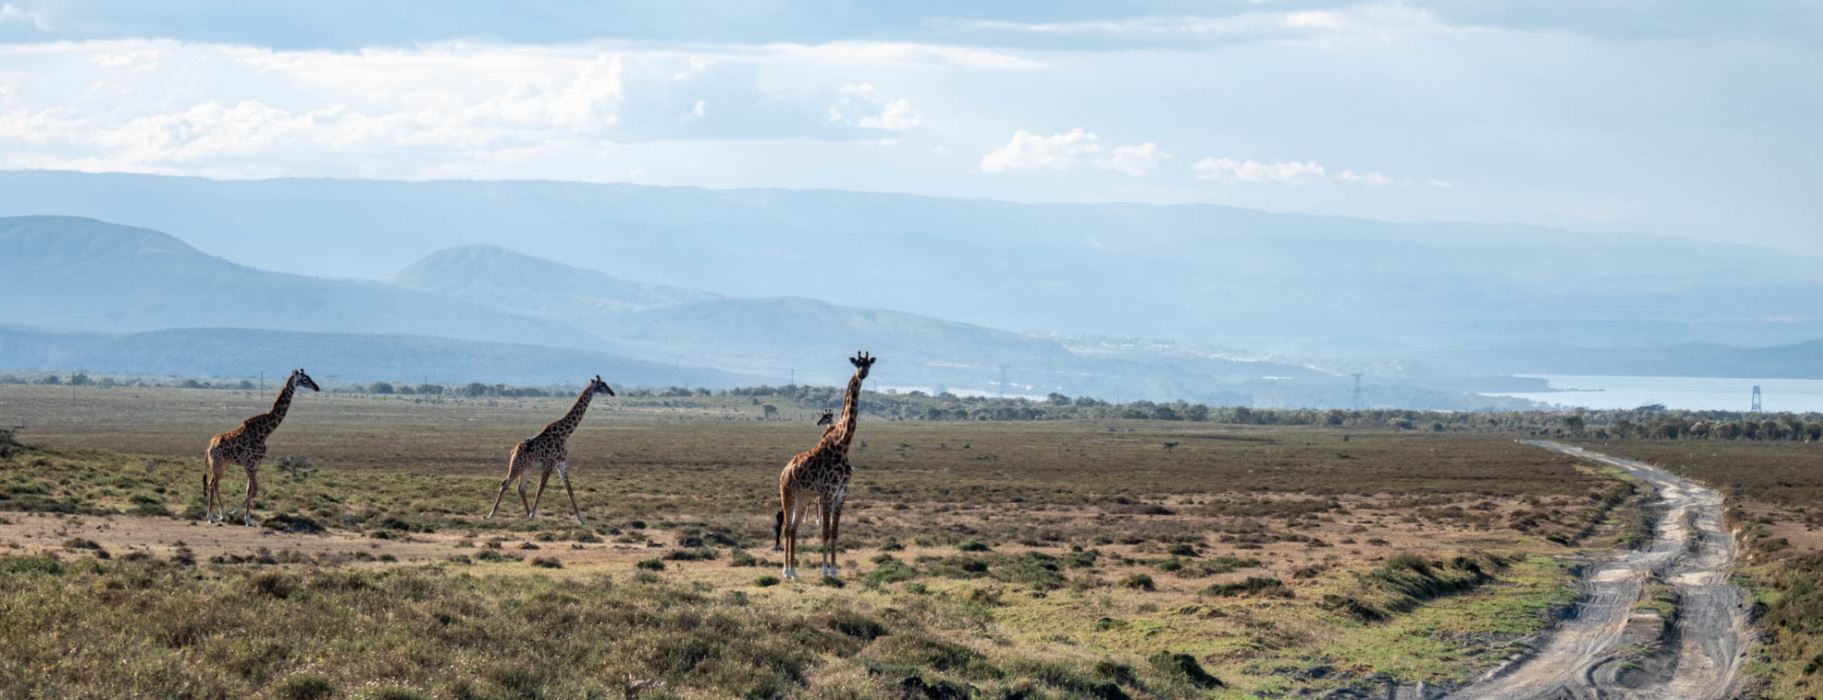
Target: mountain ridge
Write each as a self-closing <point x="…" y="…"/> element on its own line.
<point x="1191" y="273"/>
<point x="82" y="274"/>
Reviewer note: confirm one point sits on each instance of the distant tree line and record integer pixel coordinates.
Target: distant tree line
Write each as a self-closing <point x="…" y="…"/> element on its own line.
<point x="1643" y="423"/>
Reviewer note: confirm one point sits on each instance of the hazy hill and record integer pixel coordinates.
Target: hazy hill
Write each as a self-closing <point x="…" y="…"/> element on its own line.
<point x="242" y="352"/>
<point x="1193" y="273"/>
<point x="760" y="334"/>
<point x="786" y="338"/>
<point x="495" y="276"/>
<point x="82" y="274"/>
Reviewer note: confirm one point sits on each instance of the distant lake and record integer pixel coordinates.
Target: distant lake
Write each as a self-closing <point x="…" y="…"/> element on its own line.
<point x="1691" y="393"/>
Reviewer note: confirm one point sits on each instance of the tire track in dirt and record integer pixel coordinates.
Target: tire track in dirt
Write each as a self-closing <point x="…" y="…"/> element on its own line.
<point x="1596" y="651"/>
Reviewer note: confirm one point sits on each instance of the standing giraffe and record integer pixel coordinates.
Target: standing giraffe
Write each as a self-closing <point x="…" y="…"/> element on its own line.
<point x="820" y="476"/>
<point x="778" y="519"/>
<point x="246" y="446"/>
<point x="549" y="449"/>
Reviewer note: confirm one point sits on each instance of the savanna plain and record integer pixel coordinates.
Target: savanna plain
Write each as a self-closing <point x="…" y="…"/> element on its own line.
<point x="1120" y="558"/>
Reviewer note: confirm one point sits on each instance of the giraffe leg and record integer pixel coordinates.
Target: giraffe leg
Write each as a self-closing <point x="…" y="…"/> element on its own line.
<point x="827" y="556"/>
<point x="525" y="502"/>
<point x="237" y="510"/>
<point x="778" y="530"/>
<point x="835" y="530"/>
<point x="543" y="479"/>
<point x="514" y="468"/>
<point x="212" y="487"/>
<point x="794" y="516"/>
<point x="503" y="484"/>
<point x="563" y="470"/>
<point x="253" y="489"/>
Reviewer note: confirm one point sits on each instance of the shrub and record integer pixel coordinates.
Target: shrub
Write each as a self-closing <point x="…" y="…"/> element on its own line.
<point x="273" y="584"/>
<point x="1261" y="586"/>
<point x="304" y="686"/>
<point x="38" y="564"/>
<point x="1183" y="667"/>
<point x="1139" y="582"/>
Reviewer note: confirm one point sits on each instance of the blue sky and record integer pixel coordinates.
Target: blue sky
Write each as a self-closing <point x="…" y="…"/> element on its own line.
<point x="1691" y="119"/>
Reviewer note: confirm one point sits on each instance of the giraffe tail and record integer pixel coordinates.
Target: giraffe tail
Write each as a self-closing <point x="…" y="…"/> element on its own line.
<point x="778" y="528"/>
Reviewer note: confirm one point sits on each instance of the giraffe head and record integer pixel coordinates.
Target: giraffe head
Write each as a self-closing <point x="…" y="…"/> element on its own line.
<point x="827" y="418"/>
<point x="304" y="380"/>
<point x="862" y="362"/>
<point x="598" y="386"/>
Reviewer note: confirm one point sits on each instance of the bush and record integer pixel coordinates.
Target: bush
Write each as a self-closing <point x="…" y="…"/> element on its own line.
<point x="37" y="564"/>
<point x="304" y="686"/>
<point x="1261" y="586"/>
<point x="274" y="584"/>
<point x="1183" y="667"/>
<point x="1139" y="582"/>
<point x="547" y="563"/>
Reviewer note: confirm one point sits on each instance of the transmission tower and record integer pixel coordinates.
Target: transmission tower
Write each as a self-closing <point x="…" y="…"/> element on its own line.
<point x="1357" y="376"/>
<point x="1756" y="398"/>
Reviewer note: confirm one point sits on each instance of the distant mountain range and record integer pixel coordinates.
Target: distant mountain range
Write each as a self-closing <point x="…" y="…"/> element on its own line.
<point x="764" y="286"/>
<point x="80" y="274"/>
<point x="1190" y="273"/>
<point x="87" y="294"/>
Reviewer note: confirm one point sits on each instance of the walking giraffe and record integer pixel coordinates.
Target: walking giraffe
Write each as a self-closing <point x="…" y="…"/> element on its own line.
<point x="246" y="446"/>
<point x="820" y="476"/>
<point x="549" y="449"/>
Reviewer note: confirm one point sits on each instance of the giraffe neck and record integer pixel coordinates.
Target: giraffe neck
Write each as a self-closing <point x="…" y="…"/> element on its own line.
<point x="279" y="406"/>
<point x="567" y="424"/>
<point x="844" y="428"/>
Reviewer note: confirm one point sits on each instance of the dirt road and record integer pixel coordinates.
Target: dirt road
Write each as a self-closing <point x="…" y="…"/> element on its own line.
<point x="1691" y="644"/>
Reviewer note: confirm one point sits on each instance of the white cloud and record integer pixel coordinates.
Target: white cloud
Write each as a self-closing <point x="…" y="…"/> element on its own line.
<point x="862" y="106"/>
<point x="1376" y="21"/>
<point x="1289" y="172"/>
<point x="866" y="53"/>
<point x="1370" y="179"/>
<point x="1253" y="171"/>
<point x="10" y="13"/>
<point x="237" y="111"/>
<point x="1142" y="159"/>
<point x="1029" y="151"/>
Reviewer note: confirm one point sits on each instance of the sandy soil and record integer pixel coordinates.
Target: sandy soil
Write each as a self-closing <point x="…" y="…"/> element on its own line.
<point x="1608" y="647"/>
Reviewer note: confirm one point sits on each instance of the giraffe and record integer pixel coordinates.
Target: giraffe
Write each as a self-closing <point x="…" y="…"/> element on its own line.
<point x="820" y="477"/>
<point x="246" y="446"/>
<point x="778" y="519"/>
<point x="549" y="450"/>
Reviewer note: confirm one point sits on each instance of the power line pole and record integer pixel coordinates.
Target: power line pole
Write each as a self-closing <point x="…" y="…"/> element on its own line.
<point x="1357" y="376"/>
<point x="1003" y="381"/>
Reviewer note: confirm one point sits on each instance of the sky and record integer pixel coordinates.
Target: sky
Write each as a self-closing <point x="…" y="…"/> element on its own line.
<point x="1680" y="118"/>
